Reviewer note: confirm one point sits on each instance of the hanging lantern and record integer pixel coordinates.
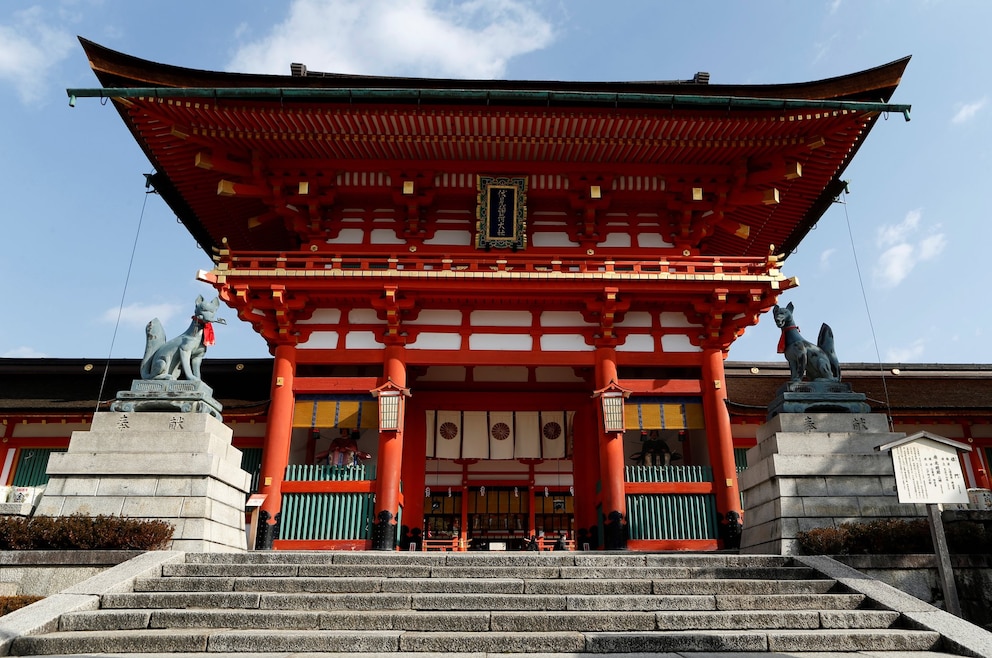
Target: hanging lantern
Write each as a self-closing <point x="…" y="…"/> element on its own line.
<point x="571" y="491"/>
<point x="449" y="492"/>
<point x="611" y="397"/>
<point x="482" y="491"/>
<point x="390" y="398"/>
<point x="545" y="492"/>
<point x="516" y="492"/>
<point x="427" y="492"/>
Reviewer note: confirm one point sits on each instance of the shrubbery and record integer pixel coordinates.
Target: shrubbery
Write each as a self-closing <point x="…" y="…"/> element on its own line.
<point x="83" y="533"/>
<point x="892" y="536"/>
<point x="11" y="603"/>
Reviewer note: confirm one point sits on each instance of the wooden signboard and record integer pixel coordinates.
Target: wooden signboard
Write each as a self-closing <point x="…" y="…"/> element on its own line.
<point x="928" y="470"/>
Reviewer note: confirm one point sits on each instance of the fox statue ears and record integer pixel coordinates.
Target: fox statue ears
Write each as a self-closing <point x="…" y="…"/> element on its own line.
<point x="790" y="307"/>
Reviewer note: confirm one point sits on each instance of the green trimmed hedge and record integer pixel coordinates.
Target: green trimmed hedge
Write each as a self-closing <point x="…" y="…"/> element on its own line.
<point x="79" y="532"/>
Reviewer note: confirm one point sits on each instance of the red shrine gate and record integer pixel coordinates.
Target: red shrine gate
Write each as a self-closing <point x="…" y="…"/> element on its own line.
<point x="516" y="296"/>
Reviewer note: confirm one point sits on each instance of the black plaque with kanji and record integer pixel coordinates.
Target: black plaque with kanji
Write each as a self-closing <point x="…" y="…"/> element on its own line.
<point x="501" y="213"/>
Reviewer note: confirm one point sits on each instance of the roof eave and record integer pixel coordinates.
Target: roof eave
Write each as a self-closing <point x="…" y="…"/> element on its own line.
<point x="115" y="69"/>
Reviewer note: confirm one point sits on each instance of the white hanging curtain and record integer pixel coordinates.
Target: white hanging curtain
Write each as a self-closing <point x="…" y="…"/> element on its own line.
<point x="570" y="442"/>
<point x="431" y="433"/>
<point x="553" y="434"/>
<point x="448" y="441"/>
<point x="527" y="444"/>
<point x="475" y="437"/>
<point x="501" y="435"/>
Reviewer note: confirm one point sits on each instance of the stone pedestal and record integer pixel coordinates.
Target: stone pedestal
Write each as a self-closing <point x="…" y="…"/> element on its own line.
<point x="817" y="470"/>
<point x="180" y="395"/>
<point x="180" y="468"/>
<point x="818" y="397"/>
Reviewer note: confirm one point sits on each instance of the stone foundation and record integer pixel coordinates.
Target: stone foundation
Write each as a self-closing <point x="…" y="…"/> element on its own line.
<point x="180" y="468"/>
<point x="817" y="470"/>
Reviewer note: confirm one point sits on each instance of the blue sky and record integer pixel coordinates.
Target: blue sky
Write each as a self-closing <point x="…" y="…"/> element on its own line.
<point x="72" y="187"/>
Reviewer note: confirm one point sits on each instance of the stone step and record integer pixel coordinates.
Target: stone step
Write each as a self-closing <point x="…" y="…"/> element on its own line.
<point x="479" y="621"/>
<point x="784" y="619"/>
<point x="573" y="558"/>
<point x="477" y="585"/>
<point x="482" y="604"/>
<point x="717" y="602"/>
<point x="481" y="601"/>
<point x="351" y="641"/>
<point x="742" y="586"/>
<point x="289" y="570"/>
<point x="824" y="640"/>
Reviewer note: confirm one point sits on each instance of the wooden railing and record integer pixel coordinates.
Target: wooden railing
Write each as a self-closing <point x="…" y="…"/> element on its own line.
<point x="668" y="474"/>
<point x="461" y="544"/>
<point x="446" y="544"/>
<point x="326" y="473"/>
<point x="328" y="265"/>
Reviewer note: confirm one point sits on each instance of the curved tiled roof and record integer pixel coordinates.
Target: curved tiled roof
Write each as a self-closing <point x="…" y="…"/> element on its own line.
<point x="300" y="121"/>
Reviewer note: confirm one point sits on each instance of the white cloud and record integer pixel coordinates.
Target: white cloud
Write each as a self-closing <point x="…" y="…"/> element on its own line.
<point x="30" y="48"/>
<point x="825" y="257"/>
<point x="930" y="247"/>
<point x="471" y="39"/>
<point x="967" y="111"/>
<point x="894" y="265"/>
<point x="822" y="48"/>
<point x="906" y="354"/>
<point x="138" y="315"/>
<point x="24" y="352"/>
<point x="903" y="251"/>
<point x="891" y="234"/>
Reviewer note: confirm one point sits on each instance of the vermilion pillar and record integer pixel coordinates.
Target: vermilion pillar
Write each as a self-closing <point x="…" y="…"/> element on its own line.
<point x="720" y="443"/>
<point x="975" y="456"/>
<point x="389" y="467"/>
<point x="278" y="436"/>
<point x="414" y="468"/>
<point x="611" y="461"/>
<point x="585" y="473"/>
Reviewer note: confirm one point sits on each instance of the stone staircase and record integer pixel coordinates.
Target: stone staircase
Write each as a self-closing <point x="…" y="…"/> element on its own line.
<point x="559" y="602"/>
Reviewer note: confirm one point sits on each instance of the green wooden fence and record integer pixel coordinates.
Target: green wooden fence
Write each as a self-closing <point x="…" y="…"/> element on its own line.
<point x="327" y="515"/>
<point x="251" y="462"/>
<point x="32" y="467"/>
<point x="672" y="516"/>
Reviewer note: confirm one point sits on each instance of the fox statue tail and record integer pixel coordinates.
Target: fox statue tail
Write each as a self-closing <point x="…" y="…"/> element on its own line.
<point x="825" y="341"/>
<point x="154" y="339"/>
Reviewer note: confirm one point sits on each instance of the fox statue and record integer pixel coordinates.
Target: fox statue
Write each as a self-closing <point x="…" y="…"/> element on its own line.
<point x="168" y="359"/>
<point x="814" y="362"/>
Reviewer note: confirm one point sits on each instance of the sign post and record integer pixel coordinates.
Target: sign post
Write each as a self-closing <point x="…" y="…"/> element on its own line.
<point x="928" y="470"/>
<point x="251" y="512"/>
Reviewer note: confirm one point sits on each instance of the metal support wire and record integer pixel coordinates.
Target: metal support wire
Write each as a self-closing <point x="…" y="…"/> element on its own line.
<point x="864" y="296"/>
<point x="127" y="278"/>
